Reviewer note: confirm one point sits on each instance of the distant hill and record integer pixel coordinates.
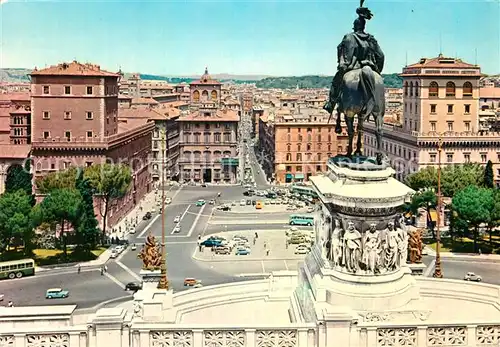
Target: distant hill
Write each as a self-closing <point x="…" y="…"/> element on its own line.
<point x="307" y="82"/>
<point x="14" y="75"/>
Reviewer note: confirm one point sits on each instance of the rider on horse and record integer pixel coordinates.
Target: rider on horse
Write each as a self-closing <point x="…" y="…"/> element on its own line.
<point x="357" y="50"/>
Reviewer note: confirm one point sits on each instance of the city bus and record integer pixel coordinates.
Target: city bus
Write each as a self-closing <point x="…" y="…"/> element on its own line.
<point x="17" y="268"/>
<point x="304" y="190"/>
<point x="296" y="219"/>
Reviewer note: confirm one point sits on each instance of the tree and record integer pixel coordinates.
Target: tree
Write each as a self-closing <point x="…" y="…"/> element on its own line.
<point x="15" y="224"/>
<point x="58" y="180"/>
<point x="488" y="175"/>
<point x="455" y="178"/>
<point x="88" y="225"/>
<point x="426" y="199"/>
<point x="423" y="179"/>
<point x="473" y="205"/>
<point x="111" y="182"/>
<point x="61" y="207"/>
<point x="494" y="214"/>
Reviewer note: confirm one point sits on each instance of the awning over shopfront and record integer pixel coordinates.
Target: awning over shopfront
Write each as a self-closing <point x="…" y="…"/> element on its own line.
<point x="230" y="161"/>
<point x="299" y="176"/>
<point x="289" y="176"/>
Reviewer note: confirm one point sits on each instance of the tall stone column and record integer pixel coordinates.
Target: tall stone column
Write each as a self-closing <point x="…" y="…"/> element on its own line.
<point x="3" y="178"/>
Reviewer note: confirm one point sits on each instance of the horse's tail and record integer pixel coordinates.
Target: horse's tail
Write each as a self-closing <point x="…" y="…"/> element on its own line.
<point x="367" y="81"/>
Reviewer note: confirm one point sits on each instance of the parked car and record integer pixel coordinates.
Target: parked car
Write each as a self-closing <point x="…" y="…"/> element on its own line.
<point x="133" y="286"/>
<point x="114" y="254"/>
<point x="191" y="282"/>
<point x="222" y="250"/>
<point x="249" y="202"/>
<point x="177" y="229"/>
<point x="177" y="219"/>
<point x="242" y="251"/>
<point x="147" y="216"/>
<point x="134" y="247"/>
<point x="471" y="276"/>
<point x="200" y="202"/>
<point x="212" y="202"/>
<point x="211" y="243"/>
<point x="56" y="293"/>
<point x="301" y="250"/>
<point x="168" y="201"/>
<point x="131" y="230"/>
<point x="242" y="202"/>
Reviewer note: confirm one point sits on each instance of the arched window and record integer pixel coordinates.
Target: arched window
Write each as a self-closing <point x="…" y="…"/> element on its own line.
<point x="289" y="147"/>
<point x="433" y="89"/>
<point x="196" y="95"/>
<point x="450" y="89"/>
<point x="214" y="95"/>
<point x="411" y="88"/>
<point x="299" y="147"/>
<point x="406" y="88"/>
<point x="467" y="89"/>
<point x="288" y="157"/>
<point x="204" y="95"/>
<point x="416" y="88"/>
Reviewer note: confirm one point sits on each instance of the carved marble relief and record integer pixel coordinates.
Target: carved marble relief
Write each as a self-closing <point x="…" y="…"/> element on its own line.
<point x="447" y="336"/>
<point x="7" y="341"/>
<point x="182" y="338"/>
<point x="276" y="338"/>
<point x="396" y="337"/>
<point x="488" y="335"/>
<point x="372" y="252"/>
<point x="224" y="338"/>
<point x="47" y="340"/>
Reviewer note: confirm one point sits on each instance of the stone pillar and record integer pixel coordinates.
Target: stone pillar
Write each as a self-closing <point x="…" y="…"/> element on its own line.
<point x="108" y="326"/>
<point x="338" y="328"/>
<point x="3" y="177"/>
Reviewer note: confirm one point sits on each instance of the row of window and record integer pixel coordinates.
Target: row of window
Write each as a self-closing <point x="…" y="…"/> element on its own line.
<point x="309" y="156"/>
<point x="207" y="138"/>
<point x="411" y="89"/>
<point x="309" y="147"/>
<point x="65" y="165"/>
<point x="67" y="134"/>
<point x="204" y="95"/>
<point x="300" y="138"/>
<point x="433" y="108"/>
<point x="67" y="115"/>
<point x="207" y="126"/>
<point x="449" y="126"/>
<point x="449" y="157"/>
<point x="89" y="90"/>
<point x="289" y="130"/>
<point x="398" y="150"/>
<point x="299" y="168"/>
<point x="197" y="155"/>
<point x="19" y="120"/>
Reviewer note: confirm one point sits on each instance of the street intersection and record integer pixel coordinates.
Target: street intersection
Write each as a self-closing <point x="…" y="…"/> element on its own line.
<point x="90" y="289"/>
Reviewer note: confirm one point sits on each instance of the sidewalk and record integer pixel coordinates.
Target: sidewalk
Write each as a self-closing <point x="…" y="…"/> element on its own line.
<point x="493" y="257"/>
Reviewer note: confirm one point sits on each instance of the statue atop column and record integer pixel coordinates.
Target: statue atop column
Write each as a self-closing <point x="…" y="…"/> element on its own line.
<point x="358" y="87"/>
<point x="415" y="245"/>
<point x="151" y="254"/>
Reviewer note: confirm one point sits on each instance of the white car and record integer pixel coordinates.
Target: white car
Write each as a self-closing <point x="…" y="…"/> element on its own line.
<point x="177" y="229"/>
<point x="471" y="276"/>
<point x="168" y="201"/>
<point x="114" y="254"/>
<point x="212" y="202"/>
<point x="118" y="249"/>
<point x="131" y="230"/>
<point x="177" y="219"/>
<point x="243" y="202"/>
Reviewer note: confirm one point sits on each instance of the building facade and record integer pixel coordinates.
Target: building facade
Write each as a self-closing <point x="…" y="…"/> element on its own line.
<point x="441" y="100"/>
<point x="208" y="136"/>
<point x="294" y="146"/>
<point x="75" y="123"/>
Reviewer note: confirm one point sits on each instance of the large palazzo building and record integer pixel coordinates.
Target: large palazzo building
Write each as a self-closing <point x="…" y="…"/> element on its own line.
<point x="440" y="100"/>
<point x="74" y="112"/>
<point x="208" y="136"/>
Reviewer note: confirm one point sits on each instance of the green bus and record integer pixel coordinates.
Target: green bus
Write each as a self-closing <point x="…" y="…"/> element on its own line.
<point x="304" y="190"/>
<point x="17" y="268"/>
<point x="296" y="219"/>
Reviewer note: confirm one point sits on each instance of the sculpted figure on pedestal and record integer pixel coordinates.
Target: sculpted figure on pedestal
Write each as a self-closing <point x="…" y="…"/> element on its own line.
<point x="352" y="248"/>
<point x="391" y="256"/>
<point x="415" y="245"/>
<point x="402" y="241"/>
<point x="335" y="255"/>
<point x="150" y="254"/>
<point x="372" y="249"/>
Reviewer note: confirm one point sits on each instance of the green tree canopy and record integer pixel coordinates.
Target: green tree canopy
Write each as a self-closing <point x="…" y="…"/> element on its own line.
<point x="474" y="205"/>
<point x="18" y="177"/>
<point x="111" y="182"/>
<point x="61" y="207"/>
<point x="488" y="175"/>
<point x="58" y="180"/>
<point x="423" y="179"/>
<point x="15" y="224"/>
<point x="88" y="225"/>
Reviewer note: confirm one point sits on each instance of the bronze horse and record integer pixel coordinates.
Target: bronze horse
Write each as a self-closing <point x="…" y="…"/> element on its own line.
<point x="355" y="101"/>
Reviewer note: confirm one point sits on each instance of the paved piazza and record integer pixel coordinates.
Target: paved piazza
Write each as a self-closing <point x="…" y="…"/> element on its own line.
<point x="89" y="289"/>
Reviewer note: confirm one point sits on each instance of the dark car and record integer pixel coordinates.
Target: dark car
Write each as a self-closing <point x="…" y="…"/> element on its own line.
<point x="147" y="216"/>
<point x="211" y="243"/>
<point x="254" y="202"/>
<point x="249" y="202"/>
<point x="226" y="208"/>
<point x="204" y="185"/>
<point x="133" y="286"/>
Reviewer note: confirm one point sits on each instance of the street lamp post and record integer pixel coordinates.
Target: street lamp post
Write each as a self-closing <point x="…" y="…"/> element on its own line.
<point x="163" y="284"/>
<point x="437" y="267"/>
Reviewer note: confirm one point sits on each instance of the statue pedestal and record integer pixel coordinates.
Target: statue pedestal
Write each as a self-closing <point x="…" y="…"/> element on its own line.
<point x="417" y="269"/>
<point x="157" y="304"/>
<point x="150" y="279"/>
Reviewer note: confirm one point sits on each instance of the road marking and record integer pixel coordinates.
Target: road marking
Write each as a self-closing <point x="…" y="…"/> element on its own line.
<point x="182" y="217"/>
<point x="286" y="265"/>
<point x="429" y="269"/>
<point x="196" y="221"/>
<point x="126" y="268"/>
<point x="113" y="278"/>
<point x="177" y="192"/>
<point x="148" y="226"/>
<point x="263" y="267"/>
<point x="206" y="224"/>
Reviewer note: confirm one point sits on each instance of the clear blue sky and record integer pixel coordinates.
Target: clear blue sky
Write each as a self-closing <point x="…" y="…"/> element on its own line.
<point x="274" y="37"/>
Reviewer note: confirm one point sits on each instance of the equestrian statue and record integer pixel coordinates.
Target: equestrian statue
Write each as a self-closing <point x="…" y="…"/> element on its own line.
<point x="358" y="87"/>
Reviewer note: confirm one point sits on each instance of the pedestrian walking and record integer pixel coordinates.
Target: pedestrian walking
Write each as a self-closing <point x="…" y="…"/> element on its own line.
<point x="105" y="268"/>
<point x="79" y="268"/>
<point x="10" y="304"/>
<point x="267" y="252"/>
<point x="102" y="271"/>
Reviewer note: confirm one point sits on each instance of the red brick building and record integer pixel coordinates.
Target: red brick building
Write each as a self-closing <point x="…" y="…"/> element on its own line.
<point x="74" y="111"/>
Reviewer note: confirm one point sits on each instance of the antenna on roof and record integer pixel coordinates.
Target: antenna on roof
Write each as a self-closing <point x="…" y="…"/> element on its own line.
<point x="406" y="58"/>
<point x="440" y="44"/>
<point x="475" y="57"/>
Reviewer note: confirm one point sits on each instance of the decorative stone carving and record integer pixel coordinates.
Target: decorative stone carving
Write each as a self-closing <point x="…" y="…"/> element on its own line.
<point x="335" y="251"/>
<point x="376" y="317"/>
<point x="273" y="338"/>
<point x="391" y="250"/>
<point x="447" y="336"/>
<point x="223" y="338"/>
<point x="415" y="245"/>
<point x="422" y="315"/>
<point x="182" y="338"/>
<point x="52" y="340"/>
<point x="151" y="254"/>
<point x="402" y="241"/>
<point x="488" y="335"/>
<point x="7" y="341"/>
<point x="352" y="248"/>
<point x="396" y="337"/>
<point x="371" y="250"/>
